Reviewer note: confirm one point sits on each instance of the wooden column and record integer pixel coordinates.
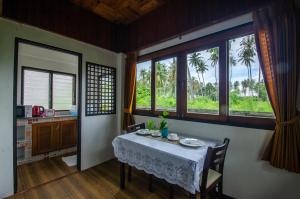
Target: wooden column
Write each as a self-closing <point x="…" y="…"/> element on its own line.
<point x="1" y="8"/>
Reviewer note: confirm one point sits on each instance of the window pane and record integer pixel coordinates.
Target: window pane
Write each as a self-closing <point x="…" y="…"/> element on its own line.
<point x="36" y="88"/>
<point x="203" y="81"/>
<point x="165" y="84"/>
<point x="143" y="85"/>
<point x="62" y="91"/>
<point x="248" y="96"/>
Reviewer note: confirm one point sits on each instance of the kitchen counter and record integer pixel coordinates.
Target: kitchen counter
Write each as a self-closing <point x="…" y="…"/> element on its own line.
<point x="24" y="137"/>
<point x="34" y="120"/>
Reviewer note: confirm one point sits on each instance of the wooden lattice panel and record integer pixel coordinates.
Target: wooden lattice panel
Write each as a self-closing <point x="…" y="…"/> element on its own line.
<point x="100" y="90"/>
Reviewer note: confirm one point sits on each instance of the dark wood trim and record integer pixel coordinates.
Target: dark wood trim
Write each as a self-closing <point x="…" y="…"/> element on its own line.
<point x="202" y="41"/>
<point x="15" y="82"/>
<point x="79" y="109"/>
<point x="15" y="90"/>
<point x="219" y="40"/>
<point x="51" y="73"/>
<point x="153" y="77"/>
<point x="236" y="121"/>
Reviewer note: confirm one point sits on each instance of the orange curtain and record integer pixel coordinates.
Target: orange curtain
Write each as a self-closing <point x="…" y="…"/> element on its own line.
<point x="129" y="90"/>
<point x="276" y="39"/>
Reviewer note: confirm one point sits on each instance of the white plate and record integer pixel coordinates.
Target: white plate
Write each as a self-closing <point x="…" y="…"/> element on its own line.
<point x="155" y="133"/>
<point x="191" y="142"/>
<point x="143" y="132"/>
<point x="172" y="139"/>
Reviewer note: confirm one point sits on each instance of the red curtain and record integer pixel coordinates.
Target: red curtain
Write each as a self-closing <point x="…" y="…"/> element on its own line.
<point x="129" y="90"/>
<point x="276" y="43"/>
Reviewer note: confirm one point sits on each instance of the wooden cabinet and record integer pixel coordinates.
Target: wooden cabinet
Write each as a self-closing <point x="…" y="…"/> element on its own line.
<point x="68" y="135"/>
<point x="52" y="136"/>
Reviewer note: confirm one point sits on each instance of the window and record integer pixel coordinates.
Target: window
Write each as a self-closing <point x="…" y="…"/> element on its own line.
<point x="165" y="84"/>
<point x="143" y="85"/>
<point x="203" y="81"/>
<point x="49" y="89"/>
<point x="218" y="79"/>
<point x="248" y="95"/>
<point x="63" y="91"/>
<point x="100" y="90"/>
<point x="36" y="88"/>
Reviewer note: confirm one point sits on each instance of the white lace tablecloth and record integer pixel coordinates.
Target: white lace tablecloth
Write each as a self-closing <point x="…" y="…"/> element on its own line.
<point x="175" y="163"/>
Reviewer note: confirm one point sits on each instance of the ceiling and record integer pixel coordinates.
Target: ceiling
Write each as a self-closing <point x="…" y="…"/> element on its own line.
<point x="120" y="11"/>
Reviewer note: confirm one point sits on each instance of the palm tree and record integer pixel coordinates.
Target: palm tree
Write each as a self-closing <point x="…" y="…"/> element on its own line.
<point x="232" y="62"/>
<point x="194" y="61"/>
<point x="236" y="85"/>
<point x="161" y="76"/>
<point x="172" y="76"/>
<point x="244" y="86"/>
<point x="143" y="73"/>
<point x="214" y="57"/>
<point x="247" y="53"/>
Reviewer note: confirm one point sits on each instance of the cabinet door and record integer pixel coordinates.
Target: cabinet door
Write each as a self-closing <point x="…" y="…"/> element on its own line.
<point x="68" y="134"/>
<point x="43" y="138"/>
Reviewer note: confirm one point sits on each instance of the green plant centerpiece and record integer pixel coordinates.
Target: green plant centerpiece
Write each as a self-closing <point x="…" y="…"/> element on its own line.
<point x="151" y="125"/>
<point x="164" y="124"/>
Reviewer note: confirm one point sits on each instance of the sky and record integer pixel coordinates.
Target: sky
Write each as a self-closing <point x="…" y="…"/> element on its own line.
<point x="239" y="72"/>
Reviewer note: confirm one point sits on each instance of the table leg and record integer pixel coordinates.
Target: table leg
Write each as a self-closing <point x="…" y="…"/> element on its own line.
<point x="122" y="175"/>
<point x="150" y="182"/>
<point x="192" y="196"/>
<point x="171" y="196"/>
<point x="129" y="173"/>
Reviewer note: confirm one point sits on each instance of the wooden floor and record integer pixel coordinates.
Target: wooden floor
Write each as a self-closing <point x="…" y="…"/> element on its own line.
<point x="38" y="173"/>
<point x="101" y="182"/>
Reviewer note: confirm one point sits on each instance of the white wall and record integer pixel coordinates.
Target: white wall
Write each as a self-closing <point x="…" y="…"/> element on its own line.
<point x="97" y="131"/>
<point x="245" y="175"/>
<point x="42" y="58"/>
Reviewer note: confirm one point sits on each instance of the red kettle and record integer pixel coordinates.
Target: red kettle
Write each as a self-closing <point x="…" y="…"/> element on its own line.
<point x="37" y="111"/>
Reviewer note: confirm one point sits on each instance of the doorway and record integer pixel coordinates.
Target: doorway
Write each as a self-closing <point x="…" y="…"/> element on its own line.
<point x="46" y="113"/>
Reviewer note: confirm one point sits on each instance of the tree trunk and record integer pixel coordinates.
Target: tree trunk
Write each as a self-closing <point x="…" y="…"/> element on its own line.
<point x="200" y="84"/>
<point x="203" y="82"/>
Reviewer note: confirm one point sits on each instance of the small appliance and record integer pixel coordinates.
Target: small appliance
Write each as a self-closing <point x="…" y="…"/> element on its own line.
<point x="24" y="111"/>
<point x="49" y="113"/>
<point x="37" y="111"/>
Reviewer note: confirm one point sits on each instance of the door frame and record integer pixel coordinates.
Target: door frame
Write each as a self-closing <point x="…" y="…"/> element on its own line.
<point x="15" y="90"/>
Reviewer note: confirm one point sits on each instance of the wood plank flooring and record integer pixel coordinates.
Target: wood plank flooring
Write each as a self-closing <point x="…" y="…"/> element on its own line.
<point x="38" y="173"/>
<point x="101" y="182"/>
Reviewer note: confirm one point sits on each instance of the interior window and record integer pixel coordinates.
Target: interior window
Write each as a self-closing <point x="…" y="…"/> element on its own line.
<point x="143" y="85"/>
<point x="165" y="84"/>
<point x="248" y="96"/>
<point x="203" y="81"/>
<point x="63" y="95"/>
<point x="36" y="85"/>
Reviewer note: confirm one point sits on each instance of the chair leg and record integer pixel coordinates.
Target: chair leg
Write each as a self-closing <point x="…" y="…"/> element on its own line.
<point x="171" y="196"/>
<point x="220" y="188"/>
<point x="150" y="182"/>
<point x="129" y="173"/>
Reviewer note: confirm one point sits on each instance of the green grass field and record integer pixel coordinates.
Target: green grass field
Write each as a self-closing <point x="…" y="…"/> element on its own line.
<point x="243" y="105"/>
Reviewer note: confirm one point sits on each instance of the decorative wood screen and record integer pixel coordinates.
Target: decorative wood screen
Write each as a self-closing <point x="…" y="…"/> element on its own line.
<point x="100" y="90"/>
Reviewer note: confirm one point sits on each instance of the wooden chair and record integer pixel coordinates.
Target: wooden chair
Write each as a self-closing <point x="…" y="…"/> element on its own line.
<point x="212" y="175"/>
<point x="130" y="129"/>
<point x="135" y="127"/>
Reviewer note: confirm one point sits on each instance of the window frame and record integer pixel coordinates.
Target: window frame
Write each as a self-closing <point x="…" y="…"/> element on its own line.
<point x="50" y="92"/>
<point x="219" y="39"/>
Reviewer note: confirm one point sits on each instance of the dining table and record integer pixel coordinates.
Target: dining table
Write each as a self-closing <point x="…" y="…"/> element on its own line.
<point x="169" y="160"/>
